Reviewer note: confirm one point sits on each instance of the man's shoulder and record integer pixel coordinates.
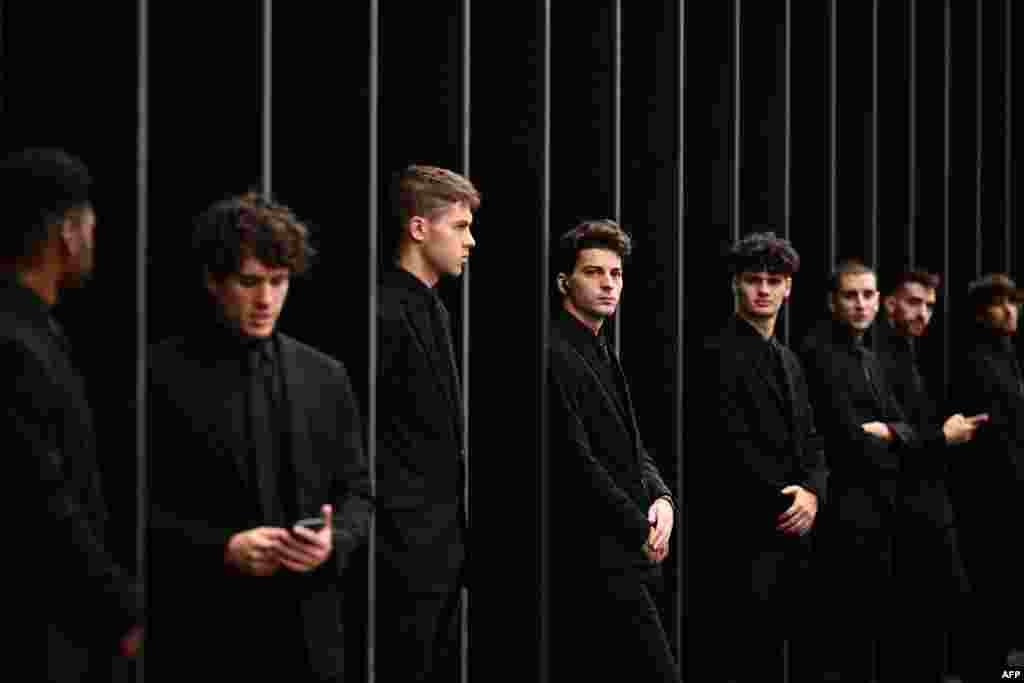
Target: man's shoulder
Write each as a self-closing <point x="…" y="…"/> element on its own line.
<point x="309" y="355"/>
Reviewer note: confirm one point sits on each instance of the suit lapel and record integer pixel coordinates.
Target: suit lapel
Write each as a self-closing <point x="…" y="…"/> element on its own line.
<point x="609" y="399"/>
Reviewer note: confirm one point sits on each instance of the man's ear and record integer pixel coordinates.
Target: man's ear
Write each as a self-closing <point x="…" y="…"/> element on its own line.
<point x="416" y="228"/>
<point x="830" y="301"/>
<point x="789" y="288"/>
<point x="210" y="282"/>
<point x="71" y="234"/>
<point x="890" y="304"/>
<point x="563" y="283"/>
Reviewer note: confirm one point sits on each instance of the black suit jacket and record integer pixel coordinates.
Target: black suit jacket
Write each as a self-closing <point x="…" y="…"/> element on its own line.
<point x="764" y="434"/>
<point x="81" y="602"/>
<point x="421" y="521"/>
<point x="202" y="494"/>
<point x="602" y="474"/>
<point x="866" y="471"/>
<point x="989" y="478"/>
<point x="924" y="492"/>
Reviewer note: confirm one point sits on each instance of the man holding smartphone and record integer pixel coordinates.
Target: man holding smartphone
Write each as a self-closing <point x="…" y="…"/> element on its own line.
<point x="252" y="433"/>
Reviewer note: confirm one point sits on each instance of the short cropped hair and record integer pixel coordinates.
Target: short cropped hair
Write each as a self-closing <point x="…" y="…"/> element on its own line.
<point x="763" y="251"/>
<point x="593" y="234"/>
<point x="914" y="276"/>
<point x="847" y="267"/>
<point x="39" y="186"/>
<point x="421" y="190"/>
<point x="255" y="226"/>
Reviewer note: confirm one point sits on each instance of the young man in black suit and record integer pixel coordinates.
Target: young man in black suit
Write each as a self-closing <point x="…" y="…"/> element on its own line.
<point x="751" y="549"/>
<point x="613" y="513"/>
<point x="421" y="520"/>
<point x="927" y="558"/>
<point x="988" y="483"/>
<point x="251" y="431"/>
<point x="80" y="602"/>
<point x="872" y="451"/>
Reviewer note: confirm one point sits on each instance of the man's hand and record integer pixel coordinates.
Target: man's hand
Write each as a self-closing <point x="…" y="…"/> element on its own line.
<point x="256" y="551"/>
<point x="655" y="556"/>
<point x="799" y="518"/>
<point x="879" y="429"/>
<point x="305" y="550"/>
<point x="131" y="642"/>
<point x="960" y="429"/>
<point x="661" y="518"/>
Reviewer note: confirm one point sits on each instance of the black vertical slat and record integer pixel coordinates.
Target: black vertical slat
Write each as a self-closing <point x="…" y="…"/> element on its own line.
<point x="876" y="118"/>
<point x="912" y="199"/>
<point x="617" y="139"/>
<point x="787" y="159"/>
<point x="141" y="341"/>
<point x="947" y="73"/>
<point x="831" y="243"/>
<point x="678" y="388"/>
<point x="979" y="76"/>
<point x="464" y="159"/>
<point x="737" y="75"/>
<point x="373" y="219"/>
<point x="544" y="329"/>
<point x="266" y="184"/>
<point x="1008" y="194"/>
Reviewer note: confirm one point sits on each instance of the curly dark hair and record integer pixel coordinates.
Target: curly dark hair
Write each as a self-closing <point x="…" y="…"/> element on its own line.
<point x="918" y="276"/>
<point x="763" y="251"/>
<point x="593" y="234"/>
<point x="251" y="225"/>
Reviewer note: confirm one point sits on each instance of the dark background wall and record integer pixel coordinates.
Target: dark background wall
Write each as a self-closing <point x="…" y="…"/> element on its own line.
<point x="869" y="129"/>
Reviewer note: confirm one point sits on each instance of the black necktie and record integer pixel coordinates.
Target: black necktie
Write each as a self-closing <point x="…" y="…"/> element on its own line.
<point x="264" y="446"/>
<point x="603" y="350"/>
<point x="58" y="335"/>
<point x="866" y="359"/>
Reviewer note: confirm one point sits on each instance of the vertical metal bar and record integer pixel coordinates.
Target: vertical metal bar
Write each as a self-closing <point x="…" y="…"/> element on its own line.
<point x="833" y="238"/>
<point x="373" y="219"/>
<point x="873" y="208"/>
<point x="464" y="360"/>
<point x="787" y="154"/>
<point x="979" y="111"/>
<point x="268" y="80"/>
<point x="617" y="138"/>
<point x="947" y="81"/>
<point x="141" y="341"/>
<point x="678" y="388"/>
<point x="1008" y="195"/>
<point x="737" y="71"/>
<point x="543" y="304"/>
<point x="912" y="199"/>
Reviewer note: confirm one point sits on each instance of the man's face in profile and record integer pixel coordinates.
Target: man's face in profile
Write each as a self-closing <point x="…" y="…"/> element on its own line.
<point x="252" y="299"/>
<point x="1001" y="315"/>
<point x="910" y="309"/>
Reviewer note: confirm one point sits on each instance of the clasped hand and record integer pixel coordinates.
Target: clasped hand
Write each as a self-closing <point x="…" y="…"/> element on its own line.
<point x="264" y="550"/>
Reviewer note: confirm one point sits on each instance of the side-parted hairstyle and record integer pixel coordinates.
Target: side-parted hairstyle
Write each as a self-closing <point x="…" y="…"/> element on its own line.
<point x="250" y="225"/>
<point x="594" y="234"/>
<point x="421" y="190"/>
<point x="39" y="187"/>
<point x="763" y="252"/>
<point x="917" y="276"/>
<point x="847" y="267"/>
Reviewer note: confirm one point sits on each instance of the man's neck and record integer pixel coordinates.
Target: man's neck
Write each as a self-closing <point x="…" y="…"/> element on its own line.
<point x="412" y="262"/>
<point x="764" y="326"/>
<point x="593" y="324"/>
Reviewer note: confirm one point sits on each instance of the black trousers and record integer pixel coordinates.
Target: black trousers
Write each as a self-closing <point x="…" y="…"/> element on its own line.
<point x="417" y="635"/>
<point x="603" y="624"/>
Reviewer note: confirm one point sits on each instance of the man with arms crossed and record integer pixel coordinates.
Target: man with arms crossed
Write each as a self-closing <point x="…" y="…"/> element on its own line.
<point x="872" y="451"/>
<point x="751" y="551"/>
<point x="612" y="512"/>
<point x="251" y="431"/>
<point x="421" y="521"/>
<point x="75" y="597"/>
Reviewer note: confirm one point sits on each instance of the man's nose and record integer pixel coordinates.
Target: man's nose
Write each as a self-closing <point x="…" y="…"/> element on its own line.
<point x="264" y="294"/>
<point x="470" y="242"/>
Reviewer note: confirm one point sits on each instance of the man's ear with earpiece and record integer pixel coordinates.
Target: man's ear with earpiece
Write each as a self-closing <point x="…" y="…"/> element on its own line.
<point x="563" y="284"/>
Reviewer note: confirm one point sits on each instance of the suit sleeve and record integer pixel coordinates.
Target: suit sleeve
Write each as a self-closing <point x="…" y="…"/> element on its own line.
<point x="351" y="493"/>
<point x="812" y="457"/>
<point x="66" y="537"/>
<point x="571" y="444"/>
